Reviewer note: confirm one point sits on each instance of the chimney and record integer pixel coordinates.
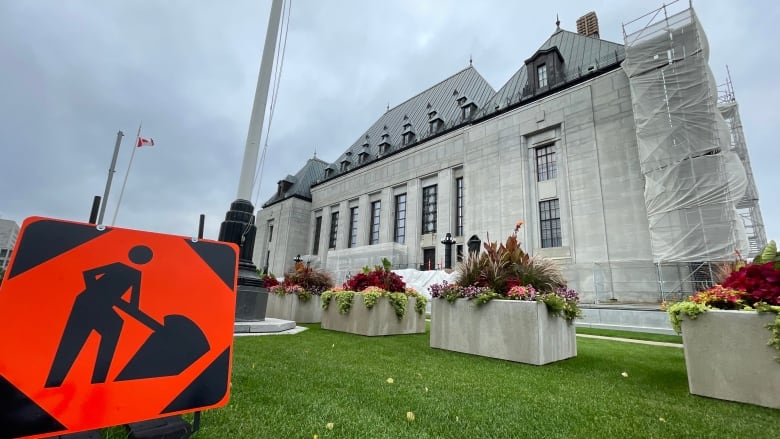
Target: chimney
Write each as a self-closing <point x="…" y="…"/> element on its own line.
<point x="588" y="25"/>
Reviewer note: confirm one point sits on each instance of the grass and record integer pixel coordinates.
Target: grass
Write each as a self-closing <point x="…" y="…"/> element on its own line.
<point x="292" y="386"/>
<point x="631" y="335"/>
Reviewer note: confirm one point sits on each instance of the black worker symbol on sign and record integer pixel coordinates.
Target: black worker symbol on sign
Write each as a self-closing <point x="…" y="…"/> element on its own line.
<point x="172" y="347"/>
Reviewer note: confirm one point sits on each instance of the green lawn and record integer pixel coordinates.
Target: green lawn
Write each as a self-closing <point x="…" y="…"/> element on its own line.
<point x="292" y="386"/>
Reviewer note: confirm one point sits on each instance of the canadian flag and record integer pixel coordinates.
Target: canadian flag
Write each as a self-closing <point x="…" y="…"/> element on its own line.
<point x="145" y="142"/>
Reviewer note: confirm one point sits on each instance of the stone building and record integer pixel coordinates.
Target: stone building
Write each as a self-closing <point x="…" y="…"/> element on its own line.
<point x="9" y="231"/>
<point x="615" y="181"/>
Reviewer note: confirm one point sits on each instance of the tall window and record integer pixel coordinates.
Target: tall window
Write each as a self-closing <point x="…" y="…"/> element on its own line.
<point x="541" y="74"/>
<point x="270" y="232"/>
<point x="376" y="208"/>
<point x="429" y="209"/>
<point x="400" y="219"/>
<point x="334" y="229"/>
<point x="353" y="226"/>
<point x="550" y="219"/>
<point x="459" y="206"/>
<point x="317" y="232"/>
<point x="546" y="166"/>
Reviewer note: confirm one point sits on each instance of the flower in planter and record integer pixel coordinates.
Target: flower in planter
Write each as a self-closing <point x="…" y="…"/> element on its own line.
<point x="751" y="287"/>
<point x="310" y="279"/>
<point x="371" y="296"/>
<point x="302" y="281"/>
<point x="518" y="292"/>
<point x="505" y="271"/>
<point x="269" y="280"/>
<point x="373" y="285"/>
<point x="380" y="277"/>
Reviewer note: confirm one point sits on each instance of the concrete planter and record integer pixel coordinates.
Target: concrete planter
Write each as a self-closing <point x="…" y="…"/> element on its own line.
<point x="379" y="320"/>
<point x="512" y="330"/>
<point x="727" y="357"/>
<point x="290" y="307"/>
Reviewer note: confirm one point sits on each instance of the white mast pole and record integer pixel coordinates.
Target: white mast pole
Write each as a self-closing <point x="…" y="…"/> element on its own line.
<point x="124" y="183"/>
<point x="111" y="170"/>
<point x="248" y="166"/>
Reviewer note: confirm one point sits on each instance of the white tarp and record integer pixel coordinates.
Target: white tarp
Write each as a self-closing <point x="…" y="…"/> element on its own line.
<point x="421" y="280"/>
<point x="693" y="180"/>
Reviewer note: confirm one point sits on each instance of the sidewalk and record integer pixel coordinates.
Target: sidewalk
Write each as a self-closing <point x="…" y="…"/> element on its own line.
<point x="630" y="340"/>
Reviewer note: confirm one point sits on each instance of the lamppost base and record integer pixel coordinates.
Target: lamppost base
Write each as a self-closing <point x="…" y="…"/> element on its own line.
<point x="239" y="228"/>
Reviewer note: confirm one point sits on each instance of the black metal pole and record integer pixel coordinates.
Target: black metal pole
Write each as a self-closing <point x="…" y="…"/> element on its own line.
<point x="196" y="416"/>
<point x="448" y="242"/>
<point x="95" y="209"/>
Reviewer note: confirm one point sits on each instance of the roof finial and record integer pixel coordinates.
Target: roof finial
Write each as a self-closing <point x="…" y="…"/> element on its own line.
<point x="388" y="106"/>
<point x="557" y="22"/>
<point x="470" y="60"/>
<point x="315" y="151"/>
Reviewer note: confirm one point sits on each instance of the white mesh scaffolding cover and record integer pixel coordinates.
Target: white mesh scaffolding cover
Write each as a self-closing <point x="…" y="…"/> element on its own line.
<point x="692" y="179"/>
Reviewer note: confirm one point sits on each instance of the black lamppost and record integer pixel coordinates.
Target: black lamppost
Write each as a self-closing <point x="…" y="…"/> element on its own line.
<point x="239" y="225"/>
<point x="298" y="259"/>
<point x="448" y="243"/>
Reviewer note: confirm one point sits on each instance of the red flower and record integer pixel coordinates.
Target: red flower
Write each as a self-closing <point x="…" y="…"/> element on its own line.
<point x="386" y="280"/>
<point x="761" y="282"/>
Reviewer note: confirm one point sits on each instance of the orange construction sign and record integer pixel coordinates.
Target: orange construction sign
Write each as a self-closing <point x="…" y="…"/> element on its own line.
<point x="103" y="326"/>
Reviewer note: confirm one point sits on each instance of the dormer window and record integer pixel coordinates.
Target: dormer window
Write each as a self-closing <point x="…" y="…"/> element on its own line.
<point x="461" y="101"/>
<point x="541" y="75"/>
<point x="328" y="172"/>
<point x="435" y="121"/>
<point x="363" y="157"/>
<point x="467" y="108"/>
<point x="284" y="185"/>
<point x="384" y="145"/>
<point x="545" y="71"/>
<point x="408" y="135"/>
<point x="345" y="165"/>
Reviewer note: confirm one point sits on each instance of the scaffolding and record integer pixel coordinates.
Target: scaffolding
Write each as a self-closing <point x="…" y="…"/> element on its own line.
<point x="747" y="207"/>
<point x="693" y="178"/>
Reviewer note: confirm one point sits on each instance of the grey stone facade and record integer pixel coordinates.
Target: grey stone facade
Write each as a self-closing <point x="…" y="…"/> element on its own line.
<point x="586" y="121"/>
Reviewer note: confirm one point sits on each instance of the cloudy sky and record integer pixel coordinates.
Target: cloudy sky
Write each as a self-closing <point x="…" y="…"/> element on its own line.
<point x="75" y="72"/>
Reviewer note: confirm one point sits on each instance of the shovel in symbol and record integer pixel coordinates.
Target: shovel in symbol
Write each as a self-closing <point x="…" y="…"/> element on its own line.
<point x="174" y="345"/>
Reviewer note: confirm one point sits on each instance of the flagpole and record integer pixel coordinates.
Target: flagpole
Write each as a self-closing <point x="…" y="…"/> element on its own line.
<point x="124" y="183"/>
<point x="111" y="170"/>
<point x="239" y="227"/>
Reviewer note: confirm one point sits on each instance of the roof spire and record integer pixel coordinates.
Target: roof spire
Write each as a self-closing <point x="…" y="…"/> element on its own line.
<point x="557" y="23"/>
<point x="388" y="106"/>
<point x="315" y="151"/>
<point x="470" y="60"/>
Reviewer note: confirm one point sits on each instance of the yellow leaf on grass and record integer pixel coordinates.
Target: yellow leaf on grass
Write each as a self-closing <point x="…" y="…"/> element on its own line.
<point x="409" y="416"/>
<point x="390" y="381"/>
